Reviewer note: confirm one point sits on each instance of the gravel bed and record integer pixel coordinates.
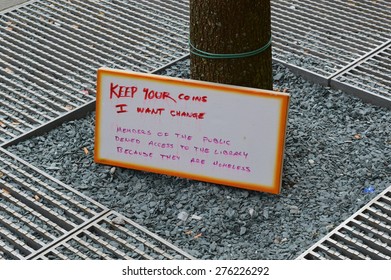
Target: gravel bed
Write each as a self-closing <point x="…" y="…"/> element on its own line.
<point x="336" y="146"/>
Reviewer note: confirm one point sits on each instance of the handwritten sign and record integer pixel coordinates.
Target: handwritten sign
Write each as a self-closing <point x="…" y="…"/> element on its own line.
<point x="210" y="132"/>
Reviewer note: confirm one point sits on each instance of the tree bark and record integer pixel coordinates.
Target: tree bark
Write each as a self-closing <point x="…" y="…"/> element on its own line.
<point x="231" y="27"/>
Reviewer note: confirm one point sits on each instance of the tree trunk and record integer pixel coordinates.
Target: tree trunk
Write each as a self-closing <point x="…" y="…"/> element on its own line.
<point x="231" y="27"/>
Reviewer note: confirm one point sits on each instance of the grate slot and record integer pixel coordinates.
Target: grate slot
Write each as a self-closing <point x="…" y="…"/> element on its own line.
<point x="12" y="122"/>
<point x="52" y="55"/>
<point x="344" y="46"/>
<point x="373" y="8"/>
<point x="142" y="26"/>
<point x="46" y="198"/>
<point x="330" y="21"/>
<point x="314" y="256"/>
<point x="34" y="216"/>
<point x="39" y="207"/>
<point x="106" y="239"/>
<point x="348" y="15"/>
<point x="38" y="96"/>
<point x="372" y="74"/>
<point x="379" y="248"/>
<point x="323" y="38"/>
<point x="364" y="81"/>
<point x="323" y="252"/>
<point x="97" y="251"/>
<point x="111" y="250"/>
<point x="119" y="242"/>
<point x="53" y="82"/>
<point x="24" y="236"/>
<point x="45" y="37"/>
<point x="291" y="55"/>
<point x="13" y="246"/>
<point x="369" y="230"/>
<point x="97" y="31"/>
<point x="60" y="255"/>
<point x="71" y="251"/>
<point x="4" y="124"/>
<point x="37" y="211"/>
<point x="47" y="62"/>
<point x="377" y="214"/>
<point x="32" y="108"/>
<point x="40" y="64"/>
<point x="379" y="225"/>
<point x="32" y="115"/>
<point x="46" y="87"/>
<point x="358" y="246"/>
<point x="7" y="252"/>
<point x="173" y="10"/>
<point x="38" y="231"/>
<point x="382" y="206"/>
<point x="365" y="235"/>
<point x="348" y="251"/>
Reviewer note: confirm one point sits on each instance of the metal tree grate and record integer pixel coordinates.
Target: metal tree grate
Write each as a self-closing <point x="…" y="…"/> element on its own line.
<point x="365" y="235"/>
<point x="322" y="39"/>
<point x="50" y="51"/>
<point x="325" y="36"/>
<point x="370" y="78"/>
<point x="43" y="218"/>
<point x="114" y="237"/>
<point x="36" y="210"/>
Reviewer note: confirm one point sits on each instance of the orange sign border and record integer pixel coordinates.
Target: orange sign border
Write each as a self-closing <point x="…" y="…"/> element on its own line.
<point x="283" y="97"/>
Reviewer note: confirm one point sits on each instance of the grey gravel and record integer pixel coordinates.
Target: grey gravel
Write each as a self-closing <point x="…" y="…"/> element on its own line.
<point x="336" y="145"/>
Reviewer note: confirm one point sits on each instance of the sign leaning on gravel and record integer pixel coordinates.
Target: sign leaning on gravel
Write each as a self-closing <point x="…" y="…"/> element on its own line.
<point x="217" y="133"/>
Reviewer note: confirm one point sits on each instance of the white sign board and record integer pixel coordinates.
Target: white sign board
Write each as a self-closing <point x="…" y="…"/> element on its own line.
<point x="210" y="132"/>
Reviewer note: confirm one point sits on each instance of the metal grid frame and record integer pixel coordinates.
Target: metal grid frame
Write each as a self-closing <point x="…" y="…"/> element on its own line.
<point x="37" y="210"/>
<point x="113" y="236"/>
<point x="50" y="50"/>
<point x="40" y="218"/>
<point x="368" y="78"/>
<point x="349" y="49"/>
<point x="346" y="32"/>
<point x="332" y="43"/>
<point x="365" y="235"/>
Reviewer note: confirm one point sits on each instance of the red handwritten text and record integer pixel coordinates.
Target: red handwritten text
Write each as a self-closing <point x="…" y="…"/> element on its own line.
<point x="152" y="94"/>
<point x="121" y="108"/>
<point x="186" y="97"/>
<point x="122" y="91"/>
<point x="151" y="111"/>
<point x="198" y="116"/>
